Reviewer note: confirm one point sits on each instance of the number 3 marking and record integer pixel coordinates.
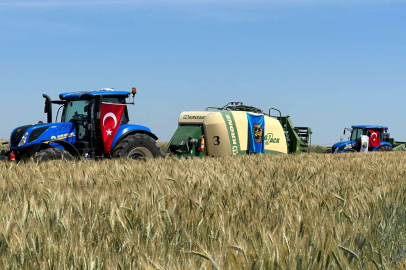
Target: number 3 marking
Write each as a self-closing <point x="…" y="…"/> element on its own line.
<point x="216" y="140"/>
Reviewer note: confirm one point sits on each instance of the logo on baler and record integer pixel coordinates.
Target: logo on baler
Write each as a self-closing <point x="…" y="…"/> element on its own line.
<point x="258" y="133"/>
<point x="232" y="135"/>
<point x="232" y="132"/>
<point x="193" y="117"/>
<point x="269" y="138"/>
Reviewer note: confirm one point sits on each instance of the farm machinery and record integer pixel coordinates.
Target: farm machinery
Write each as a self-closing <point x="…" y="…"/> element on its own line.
<point x="376" y="138"/>
<point x="93" y="124"/>
<point x="237" y="129"/>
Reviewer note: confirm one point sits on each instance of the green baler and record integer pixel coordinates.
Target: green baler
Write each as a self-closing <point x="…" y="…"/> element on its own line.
<point x="224" y="132"/>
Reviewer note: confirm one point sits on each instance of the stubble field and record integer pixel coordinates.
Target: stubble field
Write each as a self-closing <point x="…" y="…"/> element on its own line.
<point x="308" y="211"/>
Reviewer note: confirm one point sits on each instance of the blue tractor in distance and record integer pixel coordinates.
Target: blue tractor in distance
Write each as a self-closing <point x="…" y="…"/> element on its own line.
<point x="383" y="142"/>
<point x="78" y="134"/>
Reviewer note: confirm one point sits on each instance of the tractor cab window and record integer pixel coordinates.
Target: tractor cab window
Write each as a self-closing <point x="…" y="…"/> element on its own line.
<point x="77" y="112"/>
<point x="356" y="134"/>
<point x="125" y="119"/>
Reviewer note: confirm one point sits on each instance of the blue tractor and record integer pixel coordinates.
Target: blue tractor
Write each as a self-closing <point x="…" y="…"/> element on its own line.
<point x="78" y="134"/>
<point x="384" y="143"/>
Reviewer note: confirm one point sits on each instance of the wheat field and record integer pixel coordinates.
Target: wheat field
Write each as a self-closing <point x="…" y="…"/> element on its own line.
<point x="249" y="212"/>
<point x="3" y="147"/>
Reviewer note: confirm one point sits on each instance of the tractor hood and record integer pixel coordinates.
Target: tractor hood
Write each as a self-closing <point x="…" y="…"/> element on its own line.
<point x="33" y="134"/>
<point x="342" y="146"/>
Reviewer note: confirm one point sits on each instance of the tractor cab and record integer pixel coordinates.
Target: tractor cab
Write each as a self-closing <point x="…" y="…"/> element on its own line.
<point x="378" y="139"/>
<point x="85" y="130"/>
<point x="83" y="109"/>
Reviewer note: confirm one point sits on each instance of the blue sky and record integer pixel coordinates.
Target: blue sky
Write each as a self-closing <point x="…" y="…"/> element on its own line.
<point x="328" y="64"/>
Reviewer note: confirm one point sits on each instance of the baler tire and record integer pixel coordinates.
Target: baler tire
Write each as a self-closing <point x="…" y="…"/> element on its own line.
<point x="385" y="148"/>
<point x="137" y="146"/>
<point x="52" y="154"/>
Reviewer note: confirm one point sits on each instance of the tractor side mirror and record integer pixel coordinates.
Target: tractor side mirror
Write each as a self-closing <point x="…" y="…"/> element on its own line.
<point x="369" y="133"/>
<point x="344" y="132"/>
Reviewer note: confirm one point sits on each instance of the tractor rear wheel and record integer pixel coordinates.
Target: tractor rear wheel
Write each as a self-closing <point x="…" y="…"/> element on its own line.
<point x="384" y="148"/>
<point x="52" y="154"/>
<point x="137" y="146"/>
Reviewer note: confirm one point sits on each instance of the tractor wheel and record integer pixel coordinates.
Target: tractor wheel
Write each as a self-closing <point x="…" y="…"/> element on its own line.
<point x="384" y="148"/>
<point x="52" y="154"/>
<point x="137" y="146"/>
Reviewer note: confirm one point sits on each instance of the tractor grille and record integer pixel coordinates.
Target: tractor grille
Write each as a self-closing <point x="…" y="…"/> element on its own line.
<point x="17" y="134"/>
<point x="36" y="133"/>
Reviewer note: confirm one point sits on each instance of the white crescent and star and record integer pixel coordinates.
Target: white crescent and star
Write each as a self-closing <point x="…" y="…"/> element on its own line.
<point x="112" y="115"/>
<point x="374" y="137"/>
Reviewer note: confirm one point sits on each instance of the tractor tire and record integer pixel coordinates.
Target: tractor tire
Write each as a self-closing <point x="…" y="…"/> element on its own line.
<point x="384" y="148"/>
<point x="137" y="146"/>
<point x="52" y="154"/>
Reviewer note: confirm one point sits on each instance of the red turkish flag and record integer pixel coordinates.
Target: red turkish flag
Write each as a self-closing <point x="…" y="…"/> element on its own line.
<point x="374" y="139"/>
<point x="110" y="120"/>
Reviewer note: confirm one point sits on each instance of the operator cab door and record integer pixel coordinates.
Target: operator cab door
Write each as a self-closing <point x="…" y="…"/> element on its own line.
<point x="77" y="112"/>
<point x="356" y="136"/>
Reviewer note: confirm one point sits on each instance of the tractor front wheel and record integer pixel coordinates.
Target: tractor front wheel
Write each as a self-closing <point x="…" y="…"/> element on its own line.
<point x="137" y="146"/>
<point x="384" y="148"/>
<point x="52" y="154"/>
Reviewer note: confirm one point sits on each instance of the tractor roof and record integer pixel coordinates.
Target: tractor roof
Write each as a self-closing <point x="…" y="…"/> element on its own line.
<point x="370" y="126"/>
<point x="89" y="94"/>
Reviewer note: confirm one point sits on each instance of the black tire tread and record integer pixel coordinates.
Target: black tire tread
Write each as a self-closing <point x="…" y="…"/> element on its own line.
<point x="386" y="148"/>
<point x="123" y="148"/>
<point x="52" y="154"/>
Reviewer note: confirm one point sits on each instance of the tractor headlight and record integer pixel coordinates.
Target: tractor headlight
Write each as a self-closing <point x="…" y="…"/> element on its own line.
<point x="23" y="139"/>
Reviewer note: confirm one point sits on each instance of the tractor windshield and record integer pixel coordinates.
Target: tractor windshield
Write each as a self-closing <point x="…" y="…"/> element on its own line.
<point x="356" y="134"/>
<point x="75" y="110"/>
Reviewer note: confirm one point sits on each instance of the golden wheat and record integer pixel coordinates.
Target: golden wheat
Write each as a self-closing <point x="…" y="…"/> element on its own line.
<point x="3" y="147"/>
<point x="248" y="212"/>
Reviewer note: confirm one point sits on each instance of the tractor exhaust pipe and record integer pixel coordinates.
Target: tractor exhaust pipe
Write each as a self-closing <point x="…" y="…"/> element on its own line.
<point x="48" y="108"/>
